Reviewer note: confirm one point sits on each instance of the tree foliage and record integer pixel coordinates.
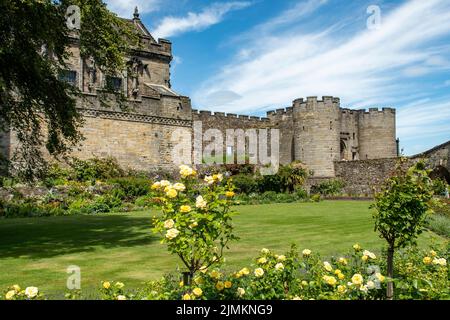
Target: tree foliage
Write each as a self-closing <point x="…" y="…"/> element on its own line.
<point x="34" y="101"/>
<point x="402" y="207"/>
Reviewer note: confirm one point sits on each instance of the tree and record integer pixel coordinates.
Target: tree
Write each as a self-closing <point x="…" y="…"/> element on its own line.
<point x="402" y="206"/>
<point x="34" y="101"/>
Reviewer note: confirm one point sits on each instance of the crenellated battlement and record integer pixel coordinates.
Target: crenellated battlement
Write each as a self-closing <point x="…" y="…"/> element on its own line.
<point x="206" y="113"/>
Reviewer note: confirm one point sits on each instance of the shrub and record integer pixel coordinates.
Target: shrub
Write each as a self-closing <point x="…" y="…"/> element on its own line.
<point x="128" y="188"/>
<point x="92" y="169"/>
<point x="440" y="224"/>
<point x="245" y="183"/>
<point x="196" y="219"/>
<point x="328" y="188"/>
<point x="439" y="187"/>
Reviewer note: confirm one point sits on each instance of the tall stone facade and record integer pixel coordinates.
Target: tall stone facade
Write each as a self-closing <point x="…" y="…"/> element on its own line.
<point x="316" y="132"/>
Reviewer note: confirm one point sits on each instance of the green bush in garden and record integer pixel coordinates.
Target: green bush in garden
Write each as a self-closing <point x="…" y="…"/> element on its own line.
<point x="328" y="188"/>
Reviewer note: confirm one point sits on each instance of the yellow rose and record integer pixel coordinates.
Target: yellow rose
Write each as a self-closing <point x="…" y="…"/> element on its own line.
<point x="120" y="285"/>
<point x="186" y="297"/>
<point x="229" y="194"/>
<point x="357" y="279"/>
<point x="228" y="284"/>
<point x="193" y="225"/>
<point x="262" y="260"/>
<point x="433" y="253"/>
<point x="106" y="285"/>
<point x="185" y="209"/>
<point x="10" y="294"/>
<point x="306" y="252"/>
<point x="214" y="274"/>
<point x="156" y="185"/>
<point x="198" y="280"/>
<point x="168" y="224"/>
<point x="341" y="289"/>
<point x="218" y="177"/>
<point x="281" y="258"/>
<point x="259" y="272"/>
<point x="265" y="251"/>
<point x="245" y="271"/>
<point x="337" y="271"/>
<point x="200" y="202"/>
<point x="197" y="291"/>
<point x="327" y="266"/>
<point x="343" y="261"/>
<point x="330" y="280"/>
<point x="121" y="297"/>
<point x="380" y="277"/>
<point x="240" y="292"/>
<point x="341" y="276"/>
<point x="220" y="286"/>
<point x="171" y="193"/>
<point x="364" y="258"/>
<point x="357" y="247"/>
<point x="427" y="260"/>
<point x="172" y="233"/>
<point x="16" y="288"/>
<point x="186" y="171"/>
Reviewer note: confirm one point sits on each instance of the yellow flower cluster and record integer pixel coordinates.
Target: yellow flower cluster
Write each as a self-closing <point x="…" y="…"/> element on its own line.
<point x="339" y="274"/>
<point x="186" y="171"/>
<point x="214" y="178"/>
<point x="242" y="272"/>
<point x="30" y="292"/>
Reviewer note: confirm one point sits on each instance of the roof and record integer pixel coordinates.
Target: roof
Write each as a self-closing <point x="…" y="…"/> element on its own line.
<point x="162" y="90"/>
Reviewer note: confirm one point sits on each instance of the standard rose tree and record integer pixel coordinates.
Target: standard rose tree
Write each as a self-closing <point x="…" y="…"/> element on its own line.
<point x="195" y="220"/>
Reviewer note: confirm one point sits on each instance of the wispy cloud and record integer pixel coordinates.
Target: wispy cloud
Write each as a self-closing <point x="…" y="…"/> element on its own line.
<point x="125" y="8"/>
<point x="363" y="68"/>
<point x="213" y="14"/>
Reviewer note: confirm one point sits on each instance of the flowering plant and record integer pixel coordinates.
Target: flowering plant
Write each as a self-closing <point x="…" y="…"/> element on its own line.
<point x="16" y="293"/>
<point x="195" y="222"/>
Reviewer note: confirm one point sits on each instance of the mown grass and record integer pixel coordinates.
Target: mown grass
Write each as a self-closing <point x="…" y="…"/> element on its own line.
<point x="37" y="251"/>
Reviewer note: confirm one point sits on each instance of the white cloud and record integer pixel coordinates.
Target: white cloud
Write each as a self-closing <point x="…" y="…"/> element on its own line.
<point x="213" y="14"/>
<point x="125" y="8"/>
<point x="366" y="68"/>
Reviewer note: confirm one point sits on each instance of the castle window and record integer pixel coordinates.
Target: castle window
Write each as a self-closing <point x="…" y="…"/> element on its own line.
<point x="354" y="136"/>
<point x="331" y="125"/>
<point x="68" y="76"/>
<point x="113" y="83"/>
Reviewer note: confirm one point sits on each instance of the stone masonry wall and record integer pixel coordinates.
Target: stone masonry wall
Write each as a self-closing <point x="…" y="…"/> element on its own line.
<point x="360" y="177"/>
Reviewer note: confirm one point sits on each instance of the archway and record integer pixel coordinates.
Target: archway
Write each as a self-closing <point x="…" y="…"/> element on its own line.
<point x="343" y="150"/>
<point x="440" y="172"/>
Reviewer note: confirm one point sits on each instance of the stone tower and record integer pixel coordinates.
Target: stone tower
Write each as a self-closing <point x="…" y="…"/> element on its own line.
<point x="316" y="126"/>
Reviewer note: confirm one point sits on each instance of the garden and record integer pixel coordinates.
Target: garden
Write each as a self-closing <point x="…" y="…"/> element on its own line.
<point x="220" y="233"/>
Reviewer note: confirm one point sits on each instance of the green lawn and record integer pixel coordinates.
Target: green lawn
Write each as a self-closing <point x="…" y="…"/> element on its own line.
<point x="37" y="251"/>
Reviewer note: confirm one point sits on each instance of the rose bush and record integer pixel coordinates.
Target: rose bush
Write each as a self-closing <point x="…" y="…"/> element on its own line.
<point x="196" y="218"/>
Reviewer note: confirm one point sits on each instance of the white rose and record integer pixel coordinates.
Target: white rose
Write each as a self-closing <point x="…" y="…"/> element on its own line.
<point x="172" y="233"/>
<point x="168" y="224"/>
<point x="31" y="292"/>
<point x="200" y="202"/>
<point x="279" y="266"/>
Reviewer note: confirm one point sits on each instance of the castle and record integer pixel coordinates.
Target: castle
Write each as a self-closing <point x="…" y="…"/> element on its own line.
<point x="317" y="132"/>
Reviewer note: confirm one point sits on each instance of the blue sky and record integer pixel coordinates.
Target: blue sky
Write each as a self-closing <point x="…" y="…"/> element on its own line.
<point x="251" y="56"/>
